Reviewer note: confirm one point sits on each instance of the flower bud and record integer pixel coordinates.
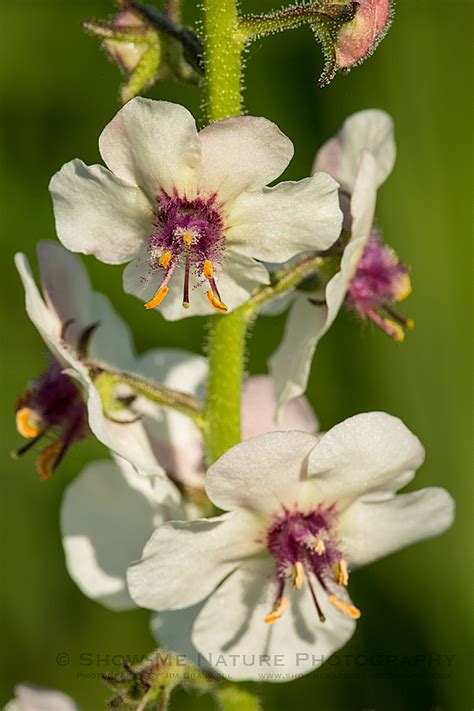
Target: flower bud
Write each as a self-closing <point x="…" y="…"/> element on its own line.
<point x="350" y="31"/>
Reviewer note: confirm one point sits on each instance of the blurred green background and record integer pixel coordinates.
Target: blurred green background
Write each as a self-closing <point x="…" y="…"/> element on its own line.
<point x="58" y="91"/>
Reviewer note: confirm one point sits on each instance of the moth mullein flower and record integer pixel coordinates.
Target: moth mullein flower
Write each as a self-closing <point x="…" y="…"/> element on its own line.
<point x="80" y="328"/>
<point x="191" y="211"/>
<point x="104" y="534"/>
<point x="36" y="698"/>
<point x="370" y="277"/>
<point x="301" y="512"/>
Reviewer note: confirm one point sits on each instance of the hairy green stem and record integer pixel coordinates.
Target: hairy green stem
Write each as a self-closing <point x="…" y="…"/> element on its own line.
<point x="222" y="59"/>
<point x="227" y="333"/>
<point x="255" y="26"/>
<point x="107" y="380"/>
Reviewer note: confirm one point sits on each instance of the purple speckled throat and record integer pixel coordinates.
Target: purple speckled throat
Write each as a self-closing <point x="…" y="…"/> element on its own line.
<point x="189" y="232"/>
<point x="305" y="548"/>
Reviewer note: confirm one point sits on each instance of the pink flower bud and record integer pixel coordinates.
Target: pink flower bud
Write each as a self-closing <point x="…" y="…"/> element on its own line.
<point x="359" y="37"/>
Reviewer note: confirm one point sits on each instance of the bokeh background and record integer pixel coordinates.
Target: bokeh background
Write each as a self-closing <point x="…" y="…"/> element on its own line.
<point x="58" y="91"/>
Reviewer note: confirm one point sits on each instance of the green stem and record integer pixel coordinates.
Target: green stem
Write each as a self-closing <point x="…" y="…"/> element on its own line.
<point x="255" y="26"/>
<point x="107" y="380"/>
<point x="284" y="280"/>
<point x="222" y="57"/>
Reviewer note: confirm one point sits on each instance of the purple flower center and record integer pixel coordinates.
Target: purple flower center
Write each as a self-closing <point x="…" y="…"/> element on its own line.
<point x="189" y="232"/>
<point x="304" y="548"/>
<point x="53" y="405"/>
<point x="379" y="281"/>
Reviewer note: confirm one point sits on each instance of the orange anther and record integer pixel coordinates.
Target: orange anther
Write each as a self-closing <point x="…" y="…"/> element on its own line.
<point x="208" y="271"/>
<point x="47" y="458"/>
<point x="216" y="303"/>
<point x="343" y="607"/>
<point x="277" y="611"/>
<point x="158" y="298"/>
<point x="165" y="259"/>
<point x="27" y="422"/>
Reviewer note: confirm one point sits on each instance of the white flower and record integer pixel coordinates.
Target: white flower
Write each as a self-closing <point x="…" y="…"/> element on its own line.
<point x="65" y="316"/>
<point x="360" y="158"/>
<point x="188" y="208"/>
<point x="301" y="511"/>
<point x="35" y="698"/>
<point x="107" y="514"/>
<point x="110" y="510"/>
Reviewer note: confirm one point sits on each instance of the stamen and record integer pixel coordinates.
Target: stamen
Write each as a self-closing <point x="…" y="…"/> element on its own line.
<point x="391" y="328"/>
<point x="186" y="271"/>
<point x="321" y="615"/>
<point x="208" y="271"/>
<point x="407" y="323"/>
<point x="187" y="238"/>
<point x="277" y="611"/>
<point x="343" y="607"/>
<point x="320" y="546"/>
<point x="343" y="573"/>
<point x="165" y="260"/>
<point x="29" y="445"/>
<point x="27" y="422"/>
<point x="47" y="461"/>
<point x="403" y="287"/>
<point x="297" y="574"/>
<point x="157" y="298"/>
<point x="216" y="303"/>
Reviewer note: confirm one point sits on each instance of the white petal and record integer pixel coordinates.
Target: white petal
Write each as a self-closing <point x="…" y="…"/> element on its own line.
<point x="128" y="440"/>
<point x="175" y="439"/>
<point x="35" y="698"/>
<point x="276" y="223"/>
<point x="290" y="365"/>
<point x="183" y="562"/>
<point x="254" y="473"/>
<point x="68" y="294"/>
<point x="153" y="144"/>
<point x="98" y="213"/>
<point x="372" y="452"/>
<point x="172" y="630"/>
<point x="238" y="277"/>
<point x="107" y="515"/>
<point x="230" y="630"/>
<point x="371" y="529"/>
<point x="47" y="323"/>
<point x="259" y="410"/>
<point x="242" y="153"/>
<point x="371" y="130"/>
<point x="307" y="323"/>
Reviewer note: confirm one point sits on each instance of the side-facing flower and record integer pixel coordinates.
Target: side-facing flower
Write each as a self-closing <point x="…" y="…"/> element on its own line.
<point x="80" y="327"/>
<point x="191" y="210"/>
<point x="36" y="698"/>
<point x="369" y="277"/>
<point x="301" y="511"/>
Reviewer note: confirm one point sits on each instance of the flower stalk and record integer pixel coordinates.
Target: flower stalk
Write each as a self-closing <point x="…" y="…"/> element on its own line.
<point x="107" y="381"/>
